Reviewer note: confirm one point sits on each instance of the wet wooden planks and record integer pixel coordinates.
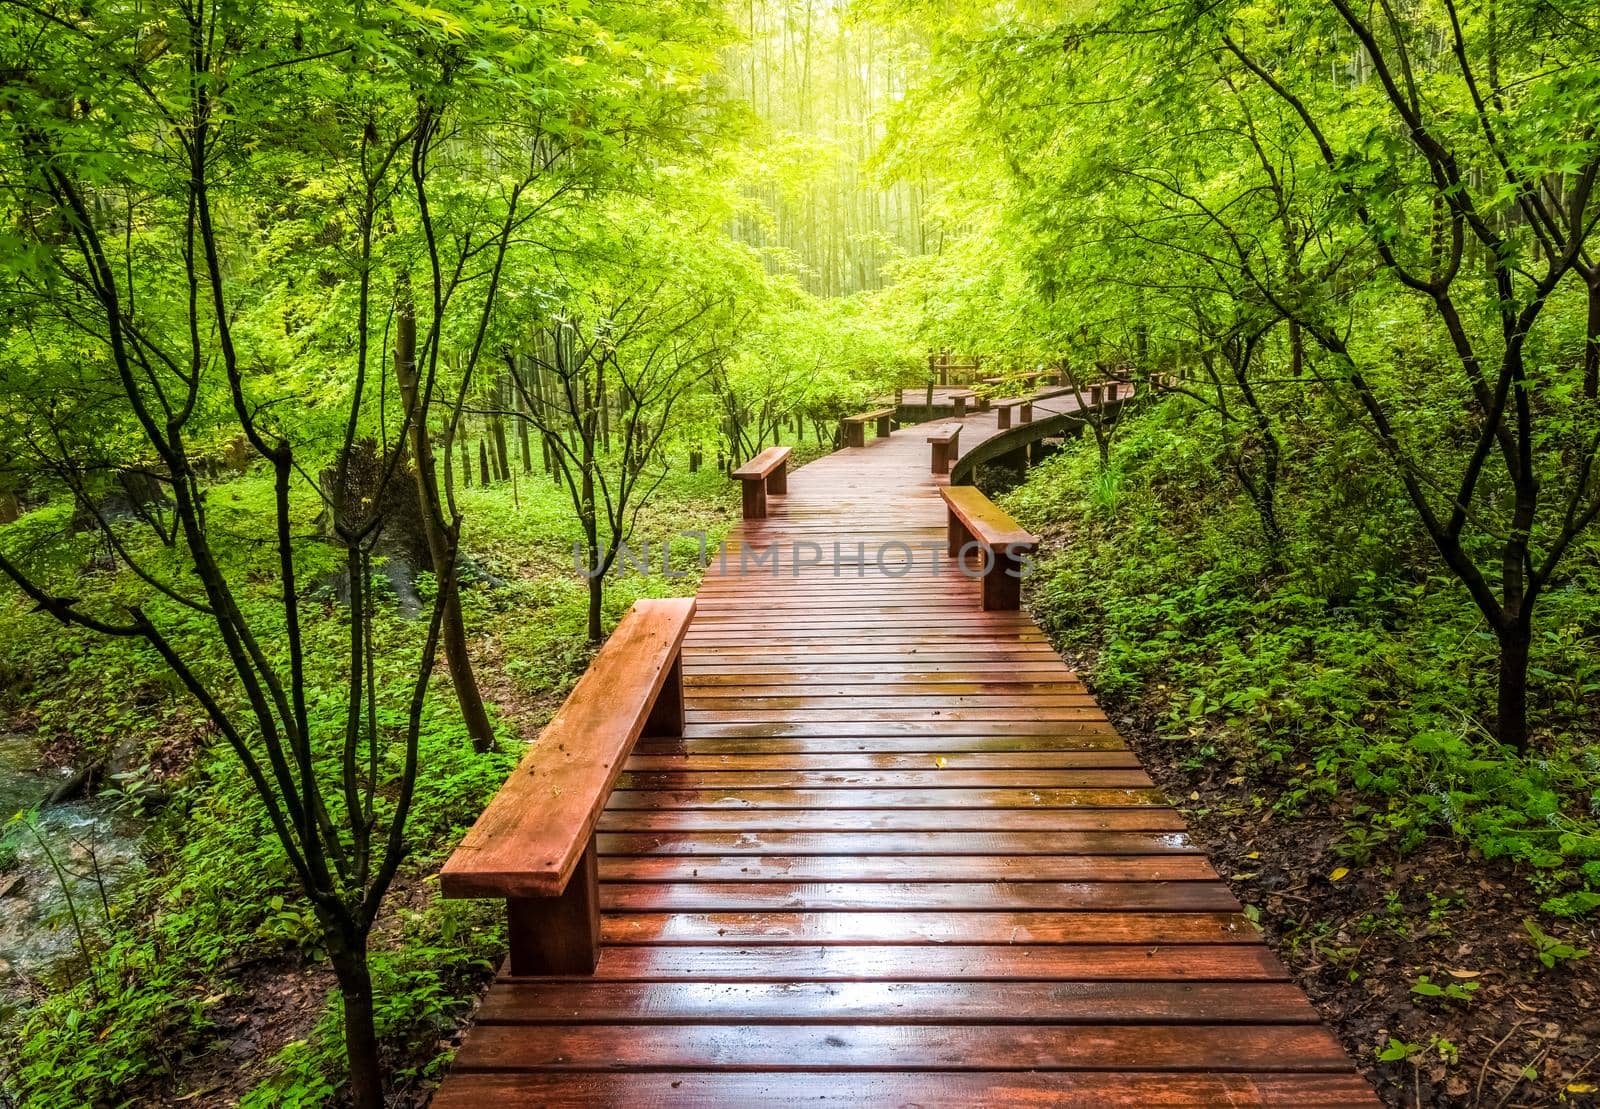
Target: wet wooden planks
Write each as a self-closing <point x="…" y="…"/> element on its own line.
<point x="898" y="856"/>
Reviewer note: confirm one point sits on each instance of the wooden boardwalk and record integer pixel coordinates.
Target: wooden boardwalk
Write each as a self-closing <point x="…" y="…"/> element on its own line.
<point x="899" y="857"/>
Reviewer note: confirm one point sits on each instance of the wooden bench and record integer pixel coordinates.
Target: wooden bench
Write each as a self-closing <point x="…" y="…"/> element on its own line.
<point x="960" y="398"/>
<point x="767" y="472"/>
<point x="534" y="844"/>
<point x="946" y="443"/>
<point x="854" y="426"/>
<point x="977" y="524"/>
<point x="1003" y="407"/>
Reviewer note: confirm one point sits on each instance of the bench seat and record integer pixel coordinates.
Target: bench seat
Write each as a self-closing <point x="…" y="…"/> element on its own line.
<point x="534" y="844"/>
<point x="960" y="398"/>
<point x="1003" y="407"/>
<point x="855" y="426"/>
<point x="978" y="525"/>
<point x="946" y="444"/>
<point x="765" y="474"/>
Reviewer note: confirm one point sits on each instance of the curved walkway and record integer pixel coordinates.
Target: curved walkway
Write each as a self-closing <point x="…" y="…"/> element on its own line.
<point x="899" y="857"/>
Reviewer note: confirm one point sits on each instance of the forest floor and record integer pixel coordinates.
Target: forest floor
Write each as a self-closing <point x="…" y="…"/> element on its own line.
<point x="1509" y="1031"/>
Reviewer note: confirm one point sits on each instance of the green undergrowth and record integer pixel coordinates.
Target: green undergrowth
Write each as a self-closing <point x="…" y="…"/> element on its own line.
<point x="1348" y="678"/>
<point x="211" y="926"/>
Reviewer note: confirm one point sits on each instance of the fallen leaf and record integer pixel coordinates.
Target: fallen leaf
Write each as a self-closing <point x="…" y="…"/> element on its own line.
<point x="1457" y="973"/>
<point x="1338" y="872"/>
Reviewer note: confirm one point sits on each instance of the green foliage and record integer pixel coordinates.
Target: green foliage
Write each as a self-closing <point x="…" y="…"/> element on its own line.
<point x="1550" y="951"/>
<point x="1450" y="991"/>
<point x="1347" y="678"/>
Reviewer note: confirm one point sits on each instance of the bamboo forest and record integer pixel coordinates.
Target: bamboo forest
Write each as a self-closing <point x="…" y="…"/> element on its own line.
<point x="773" y="552"/>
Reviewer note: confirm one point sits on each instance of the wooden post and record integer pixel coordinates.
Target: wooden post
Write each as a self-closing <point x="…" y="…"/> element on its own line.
<point x="558" y="935"/>
<point x="778" y="480"/>
<point x="1026" y="414"/>
<point x="956" y="534"/>
<point x="961" y="405"/>
<point x="1003" y="417"/>
<point x="755" y="500"/>
<point x="666" y="715"/>
<point x="854" y="433"/>
<point x="884" y="427"/>
<point x="1002" y="592"/>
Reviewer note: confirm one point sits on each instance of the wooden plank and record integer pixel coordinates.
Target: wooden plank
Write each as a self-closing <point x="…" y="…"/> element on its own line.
<point x="919" y="868"/>
<point x="877" y="729"/>
<point x="895" y="845"/>
<point x="882" y="798"/>
<point x="1102" y="739"/>
<point x="784" y="1089"/>
<point x="927" y="928"/>
<point x="836" y="1047"/>
<point x="957" y="961"/>
<point x="920" y="760"/>
<point x="829" y="714"/>
<point x="802" y="704"/>
<point x="947" y="778"/>
<point x="684" y="892"/>
<point x="1143" y="818"/>
<point x="568" y="1002"/>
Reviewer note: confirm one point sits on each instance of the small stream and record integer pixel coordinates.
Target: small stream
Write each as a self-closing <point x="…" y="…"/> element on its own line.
<point x="94" y="845"/>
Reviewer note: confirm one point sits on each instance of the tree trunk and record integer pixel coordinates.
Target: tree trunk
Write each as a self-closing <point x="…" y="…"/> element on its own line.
<point x="349" y="958"/>
<point x="502" y="461"/>
<point x="466" y="465"/>
<point x="1591" y="347"/>
<point x="483" y="462"/>
<point x="1511" y="709"/>
<point x="441" y="544"/>
<point x="597" y="587"/>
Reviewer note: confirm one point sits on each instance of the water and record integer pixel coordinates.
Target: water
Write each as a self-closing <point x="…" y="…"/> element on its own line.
<point x="94" y="845"/>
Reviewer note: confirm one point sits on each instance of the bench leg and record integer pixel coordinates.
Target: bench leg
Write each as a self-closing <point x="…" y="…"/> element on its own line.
<point x="1003" y="421"/>
<point x="558" y="935"/>
<point x="666" y="715"/>
<point x="854" y="435"/>
<point x="956" y="534"/>
<point x="939" y="464"/>
<point x="961" y="407"/>
<point x="1002" y="592"/>
<point x="1026" y="415"/>
<point x="755" y="499"/>
<point x="778" y="480"/>
<point x="883" y="427"/>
